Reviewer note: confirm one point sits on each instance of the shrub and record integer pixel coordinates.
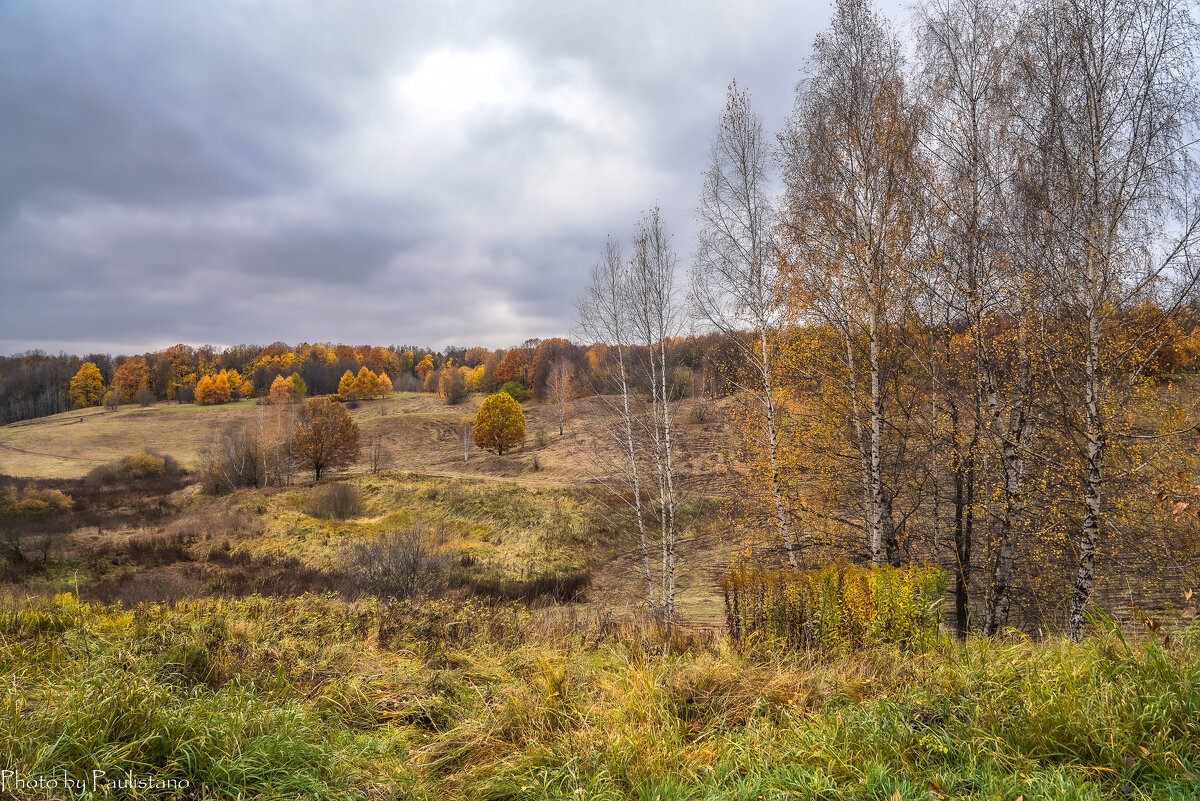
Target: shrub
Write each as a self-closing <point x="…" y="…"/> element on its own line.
<point x="402" y="564"/>
<point x="564" y="588"/>
<point x="681" y="383"/>
<point x="31" y="523"/>
<point x="699" y="411"/>
<point x="235" y="459"/>
<point x="133" y="468"/>
<point x="517" y="390"/>
<point x="144" y="397"/>
<point x="836" y="605"/>
<point x="452" y="387"/>
<point x="143" y="465"/>
<point x="406" y="382"/>
<point x="334" y="502"/>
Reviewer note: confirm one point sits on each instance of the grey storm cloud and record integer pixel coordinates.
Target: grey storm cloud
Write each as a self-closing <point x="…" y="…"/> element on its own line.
<point x="232" y="172"/>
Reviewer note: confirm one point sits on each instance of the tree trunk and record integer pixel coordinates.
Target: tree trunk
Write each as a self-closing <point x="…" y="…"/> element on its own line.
<point x="1013" y="437"/>
<point x="781" y="514"/>
<point x="1085" y="574"/>
<point x="885" y="547"/>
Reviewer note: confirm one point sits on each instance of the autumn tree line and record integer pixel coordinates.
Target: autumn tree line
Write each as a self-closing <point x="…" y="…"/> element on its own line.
<point x="36" y="384"/>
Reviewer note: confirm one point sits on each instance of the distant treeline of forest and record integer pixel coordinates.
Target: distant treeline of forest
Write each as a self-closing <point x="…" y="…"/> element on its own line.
<point x="36" y="384"/>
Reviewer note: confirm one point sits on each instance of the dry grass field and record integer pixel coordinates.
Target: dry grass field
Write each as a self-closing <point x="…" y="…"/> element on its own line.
<point x="223" y="641"/>
<point x="538" y="509"/>
<point x="419" y="433"/>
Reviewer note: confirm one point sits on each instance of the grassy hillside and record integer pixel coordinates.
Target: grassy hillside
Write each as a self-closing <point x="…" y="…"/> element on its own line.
<point x="227" y="648"/>
<point x="419" y="433"/>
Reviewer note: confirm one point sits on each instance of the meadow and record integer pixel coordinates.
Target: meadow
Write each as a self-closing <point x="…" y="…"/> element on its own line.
<point x="224" y="647"/>
<point x="319" y="697"/>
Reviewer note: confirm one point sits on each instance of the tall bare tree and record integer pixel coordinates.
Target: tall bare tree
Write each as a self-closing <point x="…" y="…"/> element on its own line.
<point x="853" y="193"/>
<point x="604" y="317"/>
<point x="1111" y="107"/>
<point x="967" y="50"/>
<point x="735" y="285"/>
<point x="632" y="308"/>
<point x="656" y="318"/>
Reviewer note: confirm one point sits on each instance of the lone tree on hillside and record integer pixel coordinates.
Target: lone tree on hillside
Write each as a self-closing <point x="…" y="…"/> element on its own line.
<point x="325" y="437"/>
<point x="499" y="424"/>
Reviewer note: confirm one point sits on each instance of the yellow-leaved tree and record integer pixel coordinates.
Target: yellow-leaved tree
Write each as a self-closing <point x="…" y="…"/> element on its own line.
<point x="367" y="383"/>
<point x="222" y="392"/>
<point x="499" y="424"/>
<point x="282" y="391"/>
<point x="204" y="390"/>
<point x="87" y="387"/>
<point x="348" y="386"/>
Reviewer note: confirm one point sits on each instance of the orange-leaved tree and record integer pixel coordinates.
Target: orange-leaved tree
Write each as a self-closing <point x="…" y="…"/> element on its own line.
<point x="204" y="390"/>
<point x="424" y="367"/>
<point x="499" y="424"/>
<point x="222" y="391"/>
<point x="452" y="387"/>
<point x="282" y="391"/>
<point x="513" y="367"/>
<point x="217" y="388"/>
<point x="132" y="376"/>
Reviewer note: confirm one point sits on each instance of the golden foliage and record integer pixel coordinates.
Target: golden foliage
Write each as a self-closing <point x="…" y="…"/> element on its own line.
<point x="836" y="605"/>
<point x="367" y="383"/>
<point x="499" y="424"/>
<point x="282" y="391"/>
<point x="348" y="386"/>
<point x="87" y="387"/>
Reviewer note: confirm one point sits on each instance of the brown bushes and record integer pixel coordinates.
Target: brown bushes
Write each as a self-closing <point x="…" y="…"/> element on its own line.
<point x="334" y="502"/>
<point x="408" y="563"/>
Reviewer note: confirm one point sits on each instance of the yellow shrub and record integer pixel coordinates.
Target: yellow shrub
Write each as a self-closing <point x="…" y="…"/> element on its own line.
<point x="835" y="605"/>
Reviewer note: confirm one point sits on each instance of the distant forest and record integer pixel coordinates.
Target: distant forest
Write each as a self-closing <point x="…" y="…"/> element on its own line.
<point x="36" y="384"/>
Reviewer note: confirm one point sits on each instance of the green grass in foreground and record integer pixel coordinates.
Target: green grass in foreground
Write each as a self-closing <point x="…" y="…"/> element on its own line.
<point x="321" y="698"/>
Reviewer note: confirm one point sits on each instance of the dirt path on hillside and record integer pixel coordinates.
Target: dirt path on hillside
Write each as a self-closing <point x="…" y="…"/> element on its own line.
<point x="15" y="449"/>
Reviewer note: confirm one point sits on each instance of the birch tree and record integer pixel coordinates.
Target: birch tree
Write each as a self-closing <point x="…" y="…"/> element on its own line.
<point x="735" y="285"/>
<point x="604" y="317"/>
<point x="853" y="190"/>
<point x="632" y="307"/>
<point x="1112" y="91"/>
<point x="968" y="64"/>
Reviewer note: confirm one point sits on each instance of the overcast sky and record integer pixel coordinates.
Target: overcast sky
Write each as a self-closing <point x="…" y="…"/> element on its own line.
<point x="393" y="172"/>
